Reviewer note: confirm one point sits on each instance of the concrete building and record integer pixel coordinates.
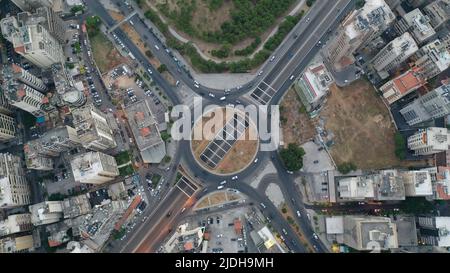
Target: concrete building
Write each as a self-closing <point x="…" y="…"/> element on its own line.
<point x="33" y="42"/>
<point x="401" y="86"/>
<point x="429" y="141"/>
<point x="14" y="72"/>
<point x="94" y="168"/>
<point x="434" y="231"/>
<point x="417" y="183"/>
<point x="370" y="233"/>
<point x="93" y="128"/>
<point x="7" y="128"/>
<point x="313" y="87"/>
<point x="29" y="5"/>
<point x="15" y="223"/>
<point x="441" y="185"/>
<point x="417" y="24"/>
<point x="76" y="206"/>
<point x="5" y="107"/>
<point x="355" y="188"/>
<point x="38" y="152"/>
<point x="439" y="12"/>
<point x="435" y="104"/>
<point x="357" y="30"/>
<point x="16" y="244"/>
<point x="14" y="189"/>
<point x="45" y="213"/>
<point x="145" y="131"/>
<point x="388" y="185"/>
<point x="433" y="58"/>
<point x="65" y="86"/>
<point x="46" y="17"/>
<point x="393" y="54"/>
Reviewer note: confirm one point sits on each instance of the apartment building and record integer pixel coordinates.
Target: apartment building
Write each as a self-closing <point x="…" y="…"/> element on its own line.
<point x="429" y="141"/>
<point x="417" y="24"/>
<point x="94" y="168"/>
<point x="14" y="189"/>
<point x="393" y="54"/>
<point x="15" y="223"/>
<point x="434" y="230"/>
<point x="34" y="42"/>
<point x="435" y="104"/>
<point x="365" y="233"/>
<point x="417" y="183"/>
<point x="65" y="86"/>
<point x="401" y="86"/>
<point x="14" y="72"/>
<point x="46" y="17"/>
<point x="433" y="58"/>
<point x="438" y="11"/>
<point x="16" y="244"/>
<point x="46" y="212"/>
<point x="93" y="128"/>
<point x="357" y="30"/>
<point x="145" y="131"/>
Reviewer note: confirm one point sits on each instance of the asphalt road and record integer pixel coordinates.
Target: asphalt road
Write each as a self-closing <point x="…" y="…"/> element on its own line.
<point x="291" y="59"/>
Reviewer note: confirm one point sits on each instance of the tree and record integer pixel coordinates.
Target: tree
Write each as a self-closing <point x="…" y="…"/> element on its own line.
<point x="284" y="210"/>
<point x="162" y="68"/>
<point x="165" y="136"/>
<point x="360" y="3"/>
<point x="346" y="167"/>
<point x="416" y="205"/>
<point x="93" y="25"/>
<point x="292" y="157"/>
<point x="149" y="54"/>
<point x="78" y="8"/>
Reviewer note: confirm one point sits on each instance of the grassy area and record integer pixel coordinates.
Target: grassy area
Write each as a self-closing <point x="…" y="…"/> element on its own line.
<point x="105" y="54"/>
<point x="155" y="180"/>
<point x="126" y="170"/>
<point x="122" y="158"/>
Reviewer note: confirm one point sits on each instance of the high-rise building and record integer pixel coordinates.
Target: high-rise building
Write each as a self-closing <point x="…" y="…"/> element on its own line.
<point x="433" y="58"/>
<point x="400" y="86"/>
<point x="5" y="107"/>
<point x="370" y="233"/>
<point x="34" y="42"/>
<point x="15" y="223"/>
<point x="94" y="168"/>
<point x="7" y="127"/>
<point x="434" y="230"/>
<point x="435" y="104"/>
<point x="393" y="54"/>
<point x="93" y="128"/>
<point x="46" y="212"/>
<point x="359" y="29"/>
<point x="418" y="183"/>
<point x="429" y="141"/>
<point x="26" y="98"/>
<point x="38" y="152"/>
<point x="29" y="5"/>
<point x="14" y="189"/>
<point x="14" y="72"/>
<point x="46" y="17"/>
<point x="439" y="12"/>
<point x="417" y="24"/>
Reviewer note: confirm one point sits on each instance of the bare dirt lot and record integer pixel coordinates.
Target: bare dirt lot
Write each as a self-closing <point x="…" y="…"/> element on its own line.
<point x="240" y="155"/>
<point x="296" y="125"/>
<point x="364" y="132"/>
<point x="105" y="54"/>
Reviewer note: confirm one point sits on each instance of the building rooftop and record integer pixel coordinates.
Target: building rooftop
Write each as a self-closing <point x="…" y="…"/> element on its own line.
<point x="17" y="244"/>
<point x="407" y="81"/>
<point x="355" y="188"/>
<point x="334" y="225"/>
<point x="443" y="226"/>
<point x="91" y="164"/>
<point x="421" y="27"/>
<point x="418" y="183"/>
<point x="389" y="185"/>
<point x="76" y="206"/>
<point x="47" y="212"/>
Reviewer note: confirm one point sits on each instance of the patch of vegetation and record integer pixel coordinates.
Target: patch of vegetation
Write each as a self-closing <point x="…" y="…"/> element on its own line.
<point x="400" y="146"/>
<point x="70" y="65"/>
<point x="346" y="167"/>
<point x="119" y="234"/>
<point x="223" y="52"/>
<point x="77" y="47"/>
<point x="360" y="3"/>
<point x="78" y="8"/>
<point x="284" y="210"/>
<point x="162" y="68"/>
<point x="149" y="54"/>
<point x="152" y="16"/>
<point x="93" y="24"/>
<point x="57" y="197"/>
<point x="309" y="3"/>
<point x="28" y="119"/>
<point x="165" y="136"/>
<point x="249" y="49"/>
<point x="416" y="205"/>
<point x="156" y="178"/>
<point x="214" y="4"/>
<point x="167" y="159"/>
<point x="285" y="27"/>
<point x="122" y="158"/>
<point x="292" y="157"/>
<point x="126" y="170"/>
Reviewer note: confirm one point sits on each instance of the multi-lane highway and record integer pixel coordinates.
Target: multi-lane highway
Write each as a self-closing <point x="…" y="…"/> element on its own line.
<point x="291" y="58"/>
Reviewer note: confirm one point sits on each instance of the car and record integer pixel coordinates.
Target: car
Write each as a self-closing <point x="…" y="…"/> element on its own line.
<point x="220" y="187"/>
<point x="223" y="182"/>
<point x="285" y="232"/>
<point x="272" y="58"/>
<point x="211" y="95"/>
<point x="256" y="160"/>
<point x="157" y="48"/>
<point x="168" y="214"/>
<point x="316" y="161"/>
<point x="234" y="177"/>
<point x="168" y="51"/>
<point x="149" y="71"/>
<point x="196" y="82"/>
<point x="182" y="210"/>
<point x="263" y="206"/>
<point x="196" y="85"/>
<point x="290" y="172"/>
<point x="239" y="87"/>
<point x="315" y="236"/>
<point x="298" y="214"/>
<point x="177" y="83"/>
<point x="291" y="77"/>
<point x="223" y="98"/>
<point x="308" y="19"/>
<point x="131" y="23"/>
<point x="361" y="203"/>
<point x="260" y="73"/>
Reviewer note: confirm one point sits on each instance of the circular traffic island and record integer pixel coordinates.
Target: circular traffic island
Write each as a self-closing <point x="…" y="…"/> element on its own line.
<point x="224" y="142"/>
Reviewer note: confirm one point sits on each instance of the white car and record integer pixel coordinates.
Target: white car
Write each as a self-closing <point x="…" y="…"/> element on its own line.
<point x="211" y="95"/>
<point x="223" y="182"/>
<point x="298" y="214"/>
<point x="256" y="160"/>
<point x="196" y="85"/>
<point x="260" y="73"/>
<point x="273" y="58"/>
<point x="149" y="71"/>
<point x="234" y="177"/>
<point x="290" y="172"/>
<point x="223" y="98"/>
<point x="157" y="48"/>
<point x="315" y="236"/>
<point x="291" y="77"/>
<point x="220" y="187"/>
<point x="131" y="22"/>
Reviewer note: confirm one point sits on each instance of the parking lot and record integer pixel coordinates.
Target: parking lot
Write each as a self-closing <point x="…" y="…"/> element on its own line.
<point x="316" y="159"/>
